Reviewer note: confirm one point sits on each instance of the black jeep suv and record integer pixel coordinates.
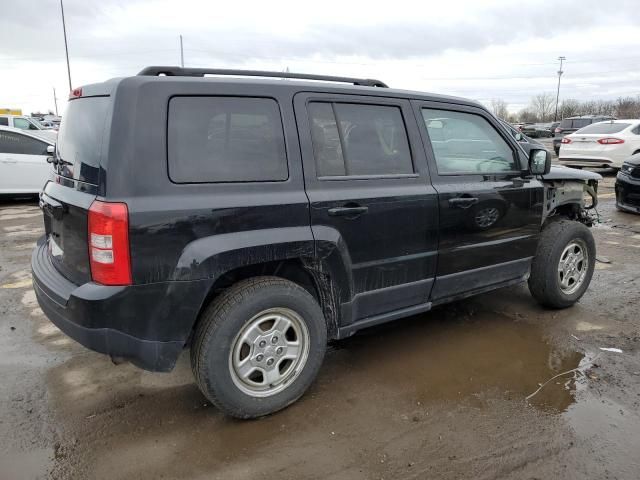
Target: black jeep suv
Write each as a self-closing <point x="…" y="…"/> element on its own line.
<point x="254" y="219"/>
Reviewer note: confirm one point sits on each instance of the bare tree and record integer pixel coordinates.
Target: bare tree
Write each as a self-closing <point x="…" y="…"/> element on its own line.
<point x="627" y="107"/>
<point x="499" y="108"/>
<point x="543" y="106"/>
<point x="568" y="108"/>
<point x="527" y="115"/>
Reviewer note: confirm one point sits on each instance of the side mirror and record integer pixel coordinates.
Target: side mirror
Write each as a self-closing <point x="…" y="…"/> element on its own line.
<point x="519" y="136"/>
<point x="539" y="162"/>
<point x="50" y="151"/>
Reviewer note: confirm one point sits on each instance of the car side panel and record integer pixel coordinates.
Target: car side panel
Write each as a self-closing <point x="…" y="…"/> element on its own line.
<point x="200" y="230"/>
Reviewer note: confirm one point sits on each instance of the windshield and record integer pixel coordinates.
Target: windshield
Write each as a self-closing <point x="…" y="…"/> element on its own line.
<point x="37" y="123"/>
<point x="604" y="128"/>
<point x="80" y="138"/>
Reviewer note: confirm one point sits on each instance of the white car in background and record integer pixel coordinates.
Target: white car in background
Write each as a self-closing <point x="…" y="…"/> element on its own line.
<point x="602" y="144"/>
<point x="23" y="160"/>
<point x="21" y="121"/>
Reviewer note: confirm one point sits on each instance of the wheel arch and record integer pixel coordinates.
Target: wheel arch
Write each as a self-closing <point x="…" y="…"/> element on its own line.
<point x="306" y="272"/>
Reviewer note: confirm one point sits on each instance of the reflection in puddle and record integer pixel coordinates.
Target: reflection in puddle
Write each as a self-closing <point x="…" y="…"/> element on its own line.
<point x="447" y="359"/>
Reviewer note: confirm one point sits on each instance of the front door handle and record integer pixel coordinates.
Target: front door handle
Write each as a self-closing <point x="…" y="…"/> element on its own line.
<point x="463" y="202"/>
<point x="348" y="211"/>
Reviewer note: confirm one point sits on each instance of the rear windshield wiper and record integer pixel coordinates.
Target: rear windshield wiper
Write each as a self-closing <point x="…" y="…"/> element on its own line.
<point x="57" y="160"/>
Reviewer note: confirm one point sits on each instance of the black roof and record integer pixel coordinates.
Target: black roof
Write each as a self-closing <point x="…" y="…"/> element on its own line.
<point x="240" y="78"/>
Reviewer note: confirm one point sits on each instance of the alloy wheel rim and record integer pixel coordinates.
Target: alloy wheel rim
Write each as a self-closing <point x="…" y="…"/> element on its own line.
<point x="573" y="266"/>
<point x="269" y="352"/>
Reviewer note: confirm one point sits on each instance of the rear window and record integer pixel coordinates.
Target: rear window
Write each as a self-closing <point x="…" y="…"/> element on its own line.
<point x="225" y="139"/>
<point x="81" y="136"/>
<point x="575" y="122"/>
<point x="604" y="128"/>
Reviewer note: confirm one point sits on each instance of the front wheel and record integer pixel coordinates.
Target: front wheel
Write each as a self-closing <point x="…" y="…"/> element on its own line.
<point x="563" y="266"/>
<point x="258" y="347"/>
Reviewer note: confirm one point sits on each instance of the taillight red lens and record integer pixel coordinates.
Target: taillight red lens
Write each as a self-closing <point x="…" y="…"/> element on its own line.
<point x="75" y="93"/>
<point x="108" y="238"/>
<point x="610" y="141"/>
<point x="565" y="140"/>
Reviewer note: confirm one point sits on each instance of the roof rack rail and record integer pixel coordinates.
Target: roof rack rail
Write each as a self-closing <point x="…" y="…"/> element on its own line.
<point x="201" y="72"/>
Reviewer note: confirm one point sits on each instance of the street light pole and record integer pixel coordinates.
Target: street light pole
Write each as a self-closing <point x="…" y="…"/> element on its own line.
<point x="181" y="53"/>
<point x="560" y="72"/>
<point x="66" y="48"/>
<point x="55" y="100"/>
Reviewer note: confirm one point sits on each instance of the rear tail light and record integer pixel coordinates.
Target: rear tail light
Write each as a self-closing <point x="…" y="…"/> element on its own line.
<point x="610" y="141"/>
<point x="558" y="130"/>
<point x="109" y="243"/>
<point x="75" y="93"/>
<point x="565" y="140"/>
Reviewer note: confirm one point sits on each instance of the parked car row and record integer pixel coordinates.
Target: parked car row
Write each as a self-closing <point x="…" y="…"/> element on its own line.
<point x="570" y="125"/>
<point x="24" y="122"/>
<point x="539" y="130"/>
<point x="23" y="160"/>
<point x="603" y="144"/>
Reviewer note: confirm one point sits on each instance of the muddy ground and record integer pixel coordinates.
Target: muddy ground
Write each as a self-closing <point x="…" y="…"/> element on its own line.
<point x="441" y="395"/>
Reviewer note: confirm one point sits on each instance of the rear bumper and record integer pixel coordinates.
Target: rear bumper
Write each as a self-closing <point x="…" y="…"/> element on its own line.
<point x="585" y="161"/>
<point x="147" y="325"/>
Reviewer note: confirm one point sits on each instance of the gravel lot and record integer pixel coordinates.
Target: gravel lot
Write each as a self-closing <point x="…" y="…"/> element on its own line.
<point x="440" y="395"/>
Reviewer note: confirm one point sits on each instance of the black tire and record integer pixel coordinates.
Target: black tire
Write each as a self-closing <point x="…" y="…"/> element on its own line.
<point x="544" y="282"/>
<point x="219" y="327"/>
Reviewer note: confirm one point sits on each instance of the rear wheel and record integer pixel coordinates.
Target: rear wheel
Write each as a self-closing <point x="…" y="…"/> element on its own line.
<point x="258" y="347"/>
<point x="563" y="266"/>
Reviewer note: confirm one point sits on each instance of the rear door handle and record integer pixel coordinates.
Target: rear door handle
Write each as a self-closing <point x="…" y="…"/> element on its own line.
<point x="463" y="202"/>
<point x="348" y="211"/>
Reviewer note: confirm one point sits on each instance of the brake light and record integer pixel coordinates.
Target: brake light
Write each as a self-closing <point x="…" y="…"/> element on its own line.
<point x="610" y="141"/>
<point x="558" y="130"/>
<point x="108" y="237"/>
<point x="565" y="140"/>
<point x="75" y="93"/>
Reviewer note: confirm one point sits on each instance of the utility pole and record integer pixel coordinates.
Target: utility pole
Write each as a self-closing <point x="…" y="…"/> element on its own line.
<point x="66" y="48"/>
<point x="560" y="72"/>
<point x="55" y="100"/>
<point x="181" y="53"/>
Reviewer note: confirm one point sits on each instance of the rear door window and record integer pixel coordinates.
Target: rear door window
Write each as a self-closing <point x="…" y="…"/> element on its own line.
<point x="352" y="139"/>
<point x="4" y="121"/>
<point x="16" y="143"/>
<point x="225" y="139"/>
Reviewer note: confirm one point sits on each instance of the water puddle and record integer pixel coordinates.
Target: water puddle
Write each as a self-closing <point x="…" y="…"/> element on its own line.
<point x="437" y="358"/>
<point x="386" y="392"/>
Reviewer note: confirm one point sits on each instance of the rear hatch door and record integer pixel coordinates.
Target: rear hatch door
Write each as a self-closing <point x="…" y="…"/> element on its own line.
<point x="65" y="202"/>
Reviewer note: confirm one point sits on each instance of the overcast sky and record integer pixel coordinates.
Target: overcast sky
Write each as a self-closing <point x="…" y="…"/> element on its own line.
<point x="477" y="49"/>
